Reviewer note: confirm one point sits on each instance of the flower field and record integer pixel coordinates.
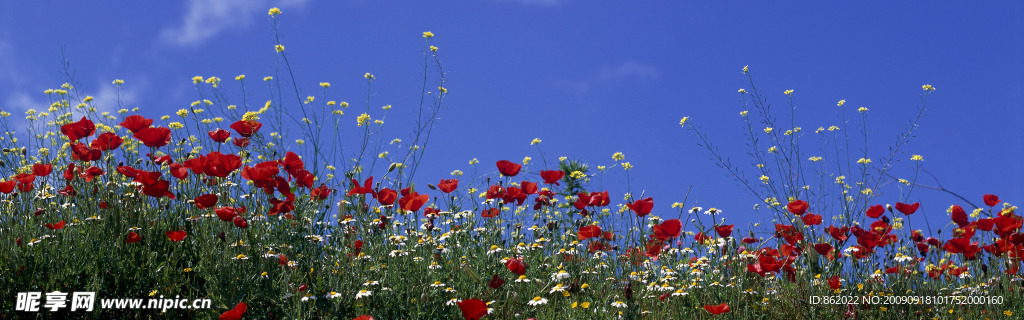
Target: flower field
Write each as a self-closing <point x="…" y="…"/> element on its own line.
<point x="216" y="202"/>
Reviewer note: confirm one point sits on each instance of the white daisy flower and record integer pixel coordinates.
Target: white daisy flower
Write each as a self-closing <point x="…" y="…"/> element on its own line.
<point x="536" y="301"/>
<point x="363" y="294"/>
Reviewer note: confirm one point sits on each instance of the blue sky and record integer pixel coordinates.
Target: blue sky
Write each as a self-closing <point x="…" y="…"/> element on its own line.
<point x="589" y="78"/>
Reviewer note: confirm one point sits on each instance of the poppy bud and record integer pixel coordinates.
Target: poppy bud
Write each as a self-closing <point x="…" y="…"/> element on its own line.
<point x="40" y="211"/>
<point x="221" y="236"/>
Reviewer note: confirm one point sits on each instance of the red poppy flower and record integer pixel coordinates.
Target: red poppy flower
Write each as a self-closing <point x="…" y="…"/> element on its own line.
<point x="292" y="163"/>
<point x="528" y="187"/>
<point x="134" y="123"/>
<point x="364" y="317"/>
<point x="473" y="309"/>
<point x="516" y="265"/>
<point x="654" y="249"/>
<point x="304" y="178"/>
<point x="227" y="214"/>
<point x="907" y="209"/>
<point x="161" y="160"/>
<point x="41" y="169"/>
<point x="221" y="165"/>
<point x="107" y="141"/>
<point x="262" y="174"/>
<point x="724" y="231"/>
<point x="55" y="226"/>
<point x="241" y="142"/>
<point x="812" y="219"/>
<point x="154" y="137"/>
<point x="176" y="236"/>
<point x="797" y="207"/>
<point x="133" y="238"/>
<point x="320" y="193"/>
<point x="158" y="189"/>
<point x="959" y="216"/>
<point x="25" y="178"/>
<point x="246" y="128"/>
<point x="838" y="233"/>
<point x="701" y="237"/>
<point x="552" y="176"/>
<point x="387" y="196"/>
<point x="236" y="313"/>
<point x="278" y="206"/>
<point x="823" y="248"/>
<point x="146" y="178"/>
<point x="91" y="173"/>
<point x="834" y="283"/>
<point x="240" y="222"/>
<point x="875" y="211"/>
<point x="219" y="135"/>
<point x="103" y="204"/>
<point x="642" y="207"/>
<point x="7" y="187"/>
<point x="587" y="232"/>
<point x="991" y="200"/>
<point x="179" y="171"/>
<point x="206" y="201"/>
<point x="413" y="201"/>
<point x="719" y="309"/>
<point x="957" y="245"/>
<point x="198" y="165"/>
<point x="984" y="224"/>
<point x="492" y="212"/>
<point x="668" y="229"/>
<point x="366" y="188"/>
<point x="789" y="233"/>
<point x="448" y="185"/>
<point x="78" y="130"/>
<point x="496" y="282"/>
<point x="508" y="168"/>
<point x="600" y="199"/>
<point x="81" y="151"/>
<point x="282" y="259"/>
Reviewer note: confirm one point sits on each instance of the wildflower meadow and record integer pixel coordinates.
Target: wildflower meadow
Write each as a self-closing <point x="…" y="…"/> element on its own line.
<point x="249" y="200"/>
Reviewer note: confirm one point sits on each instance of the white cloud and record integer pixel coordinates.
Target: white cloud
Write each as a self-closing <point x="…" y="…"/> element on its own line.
<point x="20" y="101"/>
<point x="205" y="19"/>
<point x="626" y="70"/>
<point x="548" y="3"/>
<point x="106" y="99"/>
<point x="629" y="69"/>
<point x="10" y="71"/>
